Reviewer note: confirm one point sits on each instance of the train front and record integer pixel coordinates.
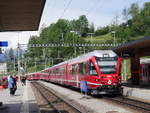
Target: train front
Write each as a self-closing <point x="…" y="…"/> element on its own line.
<point x="107" y="65"/>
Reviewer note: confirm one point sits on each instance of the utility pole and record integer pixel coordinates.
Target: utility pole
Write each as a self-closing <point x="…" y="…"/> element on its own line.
<point x="35" y="66"/>
<point x="14" y="63"/>
<point x="84" y="49"/>
<point x="45" y="62"/>
<point x="125" y="69"/>
<point x="62" y="36"/>
<point x="52" y="61"/>
<point x="18" y="59"/>
<point x="25" y="67"/>
<point x="75" y="52"/>
<point x="114" y="32"/>
<point x="91" y="35"/>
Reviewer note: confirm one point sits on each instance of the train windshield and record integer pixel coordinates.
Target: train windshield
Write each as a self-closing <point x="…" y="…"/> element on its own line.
<point x="92" y="69"/>
<point x="107" y="65"/>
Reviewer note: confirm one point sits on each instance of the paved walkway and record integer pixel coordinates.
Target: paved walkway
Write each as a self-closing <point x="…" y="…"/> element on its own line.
<point x="22" y="102"/>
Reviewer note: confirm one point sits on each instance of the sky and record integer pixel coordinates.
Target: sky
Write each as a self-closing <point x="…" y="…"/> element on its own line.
<point x="100" y="12"/>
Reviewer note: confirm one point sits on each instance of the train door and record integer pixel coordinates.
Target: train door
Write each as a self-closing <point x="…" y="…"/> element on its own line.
<point x="149" y="74"/>
<point x="72" y="77"/>
<point x="77" y="75"/>
<point x="63" y="72"/>
<point x="92" y="78"/>
<point x="145" y="74"/>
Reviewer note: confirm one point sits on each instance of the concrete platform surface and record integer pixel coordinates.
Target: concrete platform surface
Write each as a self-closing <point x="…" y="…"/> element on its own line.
<point x="22" y="102"/>
<point x="142" y="94"/>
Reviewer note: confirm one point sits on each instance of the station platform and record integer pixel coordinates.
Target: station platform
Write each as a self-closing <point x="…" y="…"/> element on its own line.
<point x="22" y="102"/>
<point x="137" y="92"/>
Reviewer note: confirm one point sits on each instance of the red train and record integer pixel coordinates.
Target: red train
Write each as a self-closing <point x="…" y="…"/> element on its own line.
<point x="100" y="69"/>
<point x="145" y="71"/>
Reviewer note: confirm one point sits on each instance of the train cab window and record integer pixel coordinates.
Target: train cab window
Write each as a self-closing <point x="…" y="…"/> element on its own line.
<point x="107" y="65"/>
<point x="92" y="69"/>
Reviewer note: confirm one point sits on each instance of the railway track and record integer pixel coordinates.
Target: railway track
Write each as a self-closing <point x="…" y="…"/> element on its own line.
<point x="144" y="107"/>
<point x="56" y="104"/>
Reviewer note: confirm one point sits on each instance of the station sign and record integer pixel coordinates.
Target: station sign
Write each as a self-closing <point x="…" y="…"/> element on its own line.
<point x="3" y="44"/>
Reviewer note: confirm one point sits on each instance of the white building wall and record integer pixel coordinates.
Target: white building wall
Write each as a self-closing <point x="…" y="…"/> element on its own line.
<point x="3" y="68"/>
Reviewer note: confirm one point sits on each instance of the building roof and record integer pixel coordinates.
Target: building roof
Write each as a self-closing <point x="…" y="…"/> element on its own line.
<point x="20" y="15"/>
<point x="140" y="47"/>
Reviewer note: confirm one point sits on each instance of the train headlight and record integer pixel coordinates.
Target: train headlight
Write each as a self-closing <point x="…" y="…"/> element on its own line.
<point x="109" y="82"/>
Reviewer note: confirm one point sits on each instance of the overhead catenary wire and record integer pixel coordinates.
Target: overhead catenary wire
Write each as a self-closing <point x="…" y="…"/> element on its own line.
<point x="66" y="8"/>
<point x="92" y="8"/>
<point x="98" y="5"/>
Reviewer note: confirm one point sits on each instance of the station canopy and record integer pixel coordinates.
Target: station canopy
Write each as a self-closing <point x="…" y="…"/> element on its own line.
<point x="140" y="47"/>
<point x="20" y="15"/>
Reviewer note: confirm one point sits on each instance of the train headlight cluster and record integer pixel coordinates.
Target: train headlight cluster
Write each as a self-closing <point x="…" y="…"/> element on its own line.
<point x="109" y="82"/>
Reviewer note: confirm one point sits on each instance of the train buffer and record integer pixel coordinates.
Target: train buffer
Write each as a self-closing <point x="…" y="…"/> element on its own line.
<point x="22" y="102"/>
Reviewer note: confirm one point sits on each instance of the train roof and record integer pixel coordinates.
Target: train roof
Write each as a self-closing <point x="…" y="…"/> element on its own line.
<point x="97" y="53"/>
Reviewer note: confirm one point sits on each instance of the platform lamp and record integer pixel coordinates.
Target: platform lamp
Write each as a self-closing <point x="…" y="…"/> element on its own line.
<point x="2" y="44"/>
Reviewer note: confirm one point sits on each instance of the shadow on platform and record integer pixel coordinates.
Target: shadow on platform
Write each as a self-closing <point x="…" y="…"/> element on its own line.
<point x="19" y="108"/>
<point x="11" y="108"/>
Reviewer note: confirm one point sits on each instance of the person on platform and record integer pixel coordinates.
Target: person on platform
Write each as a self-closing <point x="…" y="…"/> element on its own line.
<point x="11" y="85"/>
<point x="15" y="85"/>
<point x="23" y="80"/>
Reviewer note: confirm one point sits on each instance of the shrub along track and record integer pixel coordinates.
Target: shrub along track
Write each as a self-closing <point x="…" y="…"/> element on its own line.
<point x="50" y="102"/>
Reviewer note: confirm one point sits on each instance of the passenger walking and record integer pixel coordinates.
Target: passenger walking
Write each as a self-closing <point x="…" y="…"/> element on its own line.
<point x="11" y="85"/>
<point x="23" y="80"/>
<point x="15" y="85"/>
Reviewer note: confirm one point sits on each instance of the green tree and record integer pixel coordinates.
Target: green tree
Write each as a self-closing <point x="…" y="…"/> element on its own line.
<point x="134" y="10"/>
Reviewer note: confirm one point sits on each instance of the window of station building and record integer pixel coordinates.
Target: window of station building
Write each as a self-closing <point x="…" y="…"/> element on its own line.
<point x="92" y="69"/>
<point x="82" y="68"/>
<point x="145" y="72"/>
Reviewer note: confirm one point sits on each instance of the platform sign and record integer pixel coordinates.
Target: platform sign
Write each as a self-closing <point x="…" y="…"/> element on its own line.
<point x="3" y="44"/>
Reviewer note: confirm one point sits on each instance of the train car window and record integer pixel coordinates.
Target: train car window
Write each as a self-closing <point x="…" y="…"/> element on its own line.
<point x="63" y="71"/>
<point x="57" y="71"/>
<point x="71" y="69"/>
<point x="77" y="68"/>
<point x="82" y="68"/>
<point x="92" y="69"/>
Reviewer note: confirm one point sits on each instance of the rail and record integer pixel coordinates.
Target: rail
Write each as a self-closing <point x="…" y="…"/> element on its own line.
<point x="60" y="105"/>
